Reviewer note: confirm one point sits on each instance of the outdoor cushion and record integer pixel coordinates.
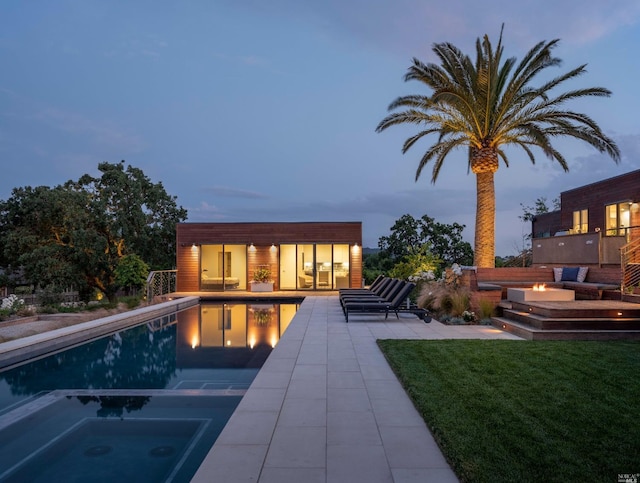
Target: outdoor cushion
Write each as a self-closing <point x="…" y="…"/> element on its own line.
<point x="557" y="274"/>
<point x="570" y="274"/>
<point x="582" y="274"/>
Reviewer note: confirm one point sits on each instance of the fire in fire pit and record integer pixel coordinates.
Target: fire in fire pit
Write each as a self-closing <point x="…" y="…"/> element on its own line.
<point x="539" y="287"/>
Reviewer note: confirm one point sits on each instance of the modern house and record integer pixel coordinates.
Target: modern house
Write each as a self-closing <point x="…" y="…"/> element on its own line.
<point x="217" y="257"/>
<point x="594" y="222"/>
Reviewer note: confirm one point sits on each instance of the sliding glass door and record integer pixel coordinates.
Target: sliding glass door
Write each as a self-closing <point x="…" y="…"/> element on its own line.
<point x="321" y="266"/>
<point x="223" y="267"/>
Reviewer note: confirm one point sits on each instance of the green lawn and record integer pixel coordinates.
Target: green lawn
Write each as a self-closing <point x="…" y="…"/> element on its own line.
<point x="517" y="411"/>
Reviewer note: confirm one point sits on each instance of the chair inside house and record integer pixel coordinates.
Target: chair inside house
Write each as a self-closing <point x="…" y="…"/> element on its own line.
<point x="304" y="282"/>
<point x="323" y="279"/>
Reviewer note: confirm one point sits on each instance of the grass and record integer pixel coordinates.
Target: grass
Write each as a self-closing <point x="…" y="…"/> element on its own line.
<point x="505" y="411"/>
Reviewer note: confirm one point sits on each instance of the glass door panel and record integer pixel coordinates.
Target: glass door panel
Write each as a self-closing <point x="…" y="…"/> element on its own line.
<point x="323" y="267"/>
<point x="287" y="267"/>
<point x="235" y="267"/>
<point x="341" y="266"/>
<point x="305" y="267"/>
<point x="212" y="268"/>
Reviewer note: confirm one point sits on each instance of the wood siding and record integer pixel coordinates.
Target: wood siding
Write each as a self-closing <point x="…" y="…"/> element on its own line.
<point x="594" y="197"/>
<point x="262" y="236"/>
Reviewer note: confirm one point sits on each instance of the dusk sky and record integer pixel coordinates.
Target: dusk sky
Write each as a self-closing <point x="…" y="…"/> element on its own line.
<point x="251" y="110"/>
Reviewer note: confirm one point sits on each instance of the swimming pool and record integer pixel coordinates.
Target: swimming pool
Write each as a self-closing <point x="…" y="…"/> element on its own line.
<point x="145" y="404"/>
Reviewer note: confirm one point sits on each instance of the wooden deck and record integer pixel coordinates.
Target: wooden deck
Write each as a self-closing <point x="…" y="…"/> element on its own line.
<point x="572" y="320"/>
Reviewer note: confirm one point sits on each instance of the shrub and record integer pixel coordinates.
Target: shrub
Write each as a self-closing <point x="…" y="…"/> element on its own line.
<point x="486" y="309"/>
<point x="446" y="298"/>
<point x="49" y="296"/>
<point x="131" y="301"/>
<point x="131" y="273"/>
<point x="459" y="302"/>
<point x="12" y="304"/>
<point x="262" y="275"/>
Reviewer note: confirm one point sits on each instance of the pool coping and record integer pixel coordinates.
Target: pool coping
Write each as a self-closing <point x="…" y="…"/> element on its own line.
<point x="18" y="350"/>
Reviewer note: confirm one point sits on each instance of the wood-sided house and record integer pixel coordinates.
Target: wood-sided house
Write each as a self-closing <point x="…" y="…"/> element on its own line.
<point x="296" y="255"/>
<point x="594" y="221"/>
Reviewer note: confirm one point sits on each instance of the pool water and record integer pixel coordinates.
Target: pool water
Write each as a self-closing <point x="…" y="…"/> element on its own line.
<point x="145" y="404"/>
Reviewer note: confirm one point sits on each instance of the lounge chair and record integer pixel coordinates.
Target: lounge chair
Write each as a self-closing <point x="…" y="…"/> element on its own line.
<point x="379" y="290"/>
<point x="385" y="295"/>
<point x="379" y="279"/>
<point x="378" y="306"/>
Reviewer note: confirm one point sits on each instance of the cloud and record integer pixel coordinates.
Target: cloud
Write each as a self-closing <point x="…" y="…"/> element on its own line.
<point x="206" y="212"/>
<point x="149" y="46"/>
<point x="101" y="132"/>
<point x="229" y="192"/>
<point x="411" y="26"/>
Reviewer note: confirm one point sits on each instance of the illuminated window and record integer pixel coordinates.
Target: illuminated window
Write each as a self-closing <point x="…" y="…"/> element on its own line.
<point x="314" y="266"/>
<point x="223" y="267"/>
<point x="617" y="218"/>
<point x="580" y="222"/>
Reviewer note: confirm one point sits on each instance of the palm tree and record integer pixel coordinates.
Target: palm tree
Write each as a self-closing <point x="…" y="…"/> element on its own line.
<point x="488" y="106"/>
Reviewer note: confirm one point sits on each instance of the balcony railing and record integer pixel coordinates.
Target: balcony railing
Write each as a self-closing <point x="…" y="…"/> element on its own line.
<point x="630" y="264"/>
<point x="161" y="282"/>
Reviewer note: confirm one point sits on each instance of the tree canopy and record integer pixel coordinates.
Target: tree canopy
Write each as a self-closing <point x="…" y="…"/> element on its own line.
<point x="487" y="105"/>
<point x="415" y="240"/>
<point x="445" y="241"/>
<point x="75" y="234"/>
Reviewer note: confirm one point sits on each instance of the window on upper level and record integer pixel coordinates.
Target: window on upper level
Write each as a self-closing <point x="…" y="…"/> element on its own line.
<point x="580" y="221"/>
<point x="617" y="218"/>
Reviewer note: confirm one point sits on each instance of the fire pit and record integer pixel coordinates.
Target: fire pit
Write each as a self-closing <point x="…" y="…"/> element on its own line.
<point x="540" y="293"/>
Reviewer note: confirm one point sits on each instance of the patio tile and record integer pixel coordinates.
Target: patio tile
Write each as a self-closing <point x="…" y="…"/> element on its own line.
<point x="250" y="428"/>
<point x="293" y="475"/>
<point x="423" y="475"/>
<point x="345" y="380"/>
<point x="310" y="412"/>
<point x="297" y="447"/>
<point x="411" y="447"/>
<point x="347" y="399"/>
<point x="308" y="389"/>
<point x="352" y="428"/>
<point x="357" y="464"/>
<point x="231" y="464"/>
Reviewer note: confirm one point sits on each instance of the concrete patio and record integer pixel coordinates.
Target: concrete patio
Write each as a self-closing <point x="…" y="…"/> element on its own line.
<point x="326" y="407"/>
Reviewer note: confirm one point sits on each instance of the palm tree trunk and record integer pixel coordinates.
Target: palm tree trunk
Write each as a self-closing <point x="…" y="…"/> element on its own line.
<point x="485" y="245"/>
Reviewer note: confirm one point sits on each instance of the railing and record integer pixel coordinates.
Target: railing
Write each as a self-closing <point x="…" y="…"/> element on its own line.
<point x="160" y="282"/>
<point x="630" y="264"/>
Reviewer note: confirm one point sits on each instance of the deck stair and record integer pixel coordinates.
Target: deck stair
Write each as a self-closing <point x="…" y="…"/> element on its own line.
<point x="578" y="320"/>
<point x="630" y="262"/>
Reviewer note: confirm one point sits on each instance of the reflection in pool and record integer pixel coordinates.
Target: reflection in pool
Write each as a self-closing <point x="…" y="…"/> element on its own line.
<point x="205" y="353"/>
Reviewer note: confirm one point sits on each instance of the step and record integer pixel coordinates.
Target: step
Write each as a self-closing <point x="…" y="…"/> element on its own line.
<point x="529" y="332"/>
<point x="573" y="323"/>
<point x="587" y="309"/>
